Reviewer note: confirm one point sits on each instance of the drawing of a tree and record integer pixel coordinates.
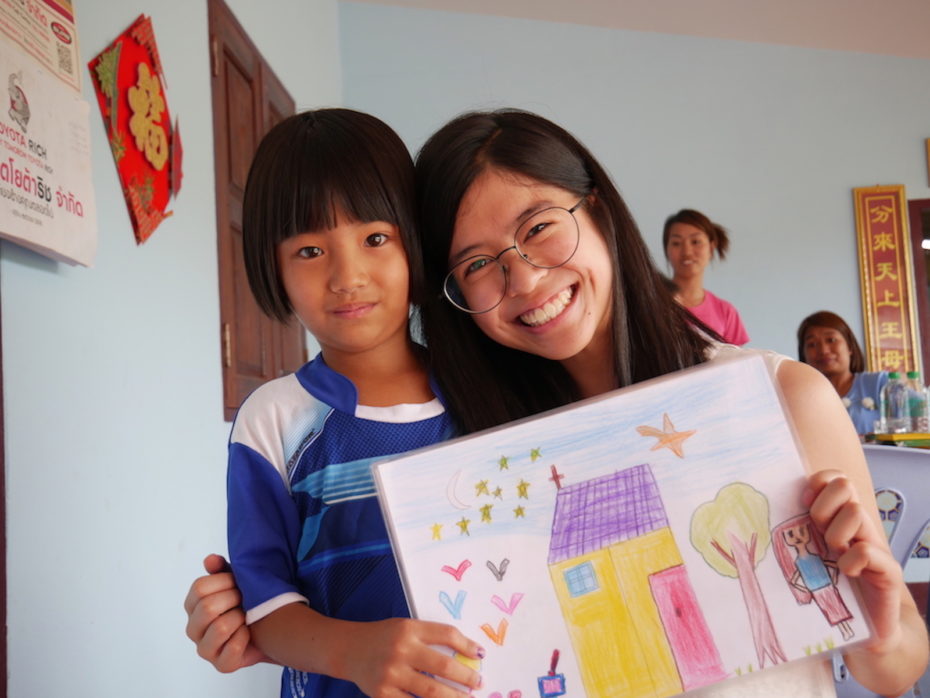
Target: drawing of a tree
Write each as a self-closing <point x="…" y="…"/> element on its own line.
<point x="732" y="535"/>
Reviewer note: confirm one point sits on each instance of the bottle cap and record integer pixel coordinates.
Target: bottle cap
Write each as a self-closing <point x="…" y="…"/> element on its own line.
<point x="913" y="374"/>
<point x="894" y="374"/>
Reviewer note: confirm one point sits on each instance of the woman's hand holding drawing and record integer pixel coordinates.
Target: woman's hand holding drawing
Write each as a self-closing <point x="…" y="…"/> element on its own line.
<point x="862" y="553"/>
<point x="842" y="505"/>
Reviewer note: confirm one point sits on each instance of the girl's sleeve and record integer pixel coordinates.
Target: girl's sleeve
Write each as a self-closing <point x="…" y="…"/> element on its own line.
<point x="263" y="530"/>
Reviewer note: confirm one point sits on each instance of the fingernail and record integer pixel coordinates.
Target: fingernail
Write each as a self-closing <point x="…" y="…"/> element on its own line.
<point x="481" y="653"/>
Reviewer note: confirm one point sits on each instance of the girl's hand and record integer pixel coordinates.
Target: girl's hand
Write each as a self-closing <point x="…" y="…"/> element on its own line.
<point x="215" y="620"/>
<point x="398" y="657"/>
<point x="862" y="551"/>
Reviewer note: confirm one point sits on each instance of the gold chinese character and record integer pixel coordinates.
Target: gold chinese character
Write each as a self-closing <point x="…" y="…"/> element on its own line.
<point x="880" y="214"/>
<point x="147" y="105"/>
<point x="890" y="330"/>
<point x="886" y="271"/>
<point x="888" y="301"/>
<point x="882" y="242"/>
<point x="892" y="359"/>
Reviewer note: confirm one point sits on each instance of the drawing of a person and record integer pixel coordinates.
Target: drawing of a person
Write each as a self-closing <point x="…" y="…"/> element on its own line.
<point x="810" y="575"/>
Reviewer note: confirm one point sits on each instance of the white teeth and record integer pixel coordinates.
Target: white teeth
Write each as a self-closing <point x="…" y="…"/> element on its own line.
<point x="550" y="310"/>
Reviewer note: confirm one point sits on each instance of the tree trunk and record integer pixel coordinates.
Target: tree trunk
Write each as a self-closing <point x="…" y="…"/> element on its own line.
<point x="760" y="620"/>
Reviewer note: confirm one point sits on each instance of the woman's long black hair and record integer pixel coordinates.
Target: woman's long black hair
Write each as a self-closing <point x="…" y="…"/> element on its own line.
<point x="485" y="383"/>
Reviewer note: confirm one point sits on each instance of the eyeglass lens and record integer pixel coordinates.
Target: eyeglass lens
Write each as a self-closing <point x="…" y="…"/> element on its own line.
<point x="546" y="240"/>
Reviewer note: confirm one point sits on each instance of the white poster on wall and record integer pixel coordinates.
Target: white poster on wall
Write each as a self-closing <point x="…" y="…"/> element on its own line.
<point x="46" y="188"/>
<point x="45" y="30"/>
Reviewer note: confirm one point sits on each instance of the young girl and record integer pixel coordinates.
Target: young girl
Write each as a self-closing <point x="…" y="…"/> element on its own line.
<point x="541" y="291"/>
<point x="690" y="240"/>
<point x="327" y="226"/>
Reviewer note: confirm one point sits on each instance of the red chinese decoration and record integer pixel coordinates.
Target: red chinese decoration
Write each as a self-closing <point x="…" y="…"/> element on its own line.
<point x="885" y="271"/>
<point x="130" y="88"/>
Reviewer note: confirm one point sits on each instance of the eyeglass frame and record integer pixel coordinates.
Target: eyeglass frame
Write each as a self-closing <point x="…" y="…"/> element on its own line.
<point x="496" y="258"/>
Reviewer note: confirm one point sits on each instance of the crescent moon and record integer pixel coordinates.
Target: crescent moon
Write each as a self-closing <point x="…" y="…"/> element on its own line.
<point x="450" y="492"/>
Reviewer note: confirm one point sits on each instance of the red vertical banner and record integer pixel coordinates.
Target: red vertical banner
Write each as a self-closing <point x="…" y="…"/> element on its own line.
<point x="887" y="279"/>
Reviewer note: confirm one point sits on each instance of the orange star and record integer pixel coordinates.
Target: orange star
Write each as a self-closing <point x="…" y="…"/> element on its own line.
<point x="668" y="437"/>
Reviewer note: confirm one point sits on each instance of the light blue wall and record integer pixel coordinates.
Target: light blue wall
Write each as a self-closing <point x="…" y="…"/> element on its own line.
<point x="768" y="140"/>
<point x="114" y="432"/>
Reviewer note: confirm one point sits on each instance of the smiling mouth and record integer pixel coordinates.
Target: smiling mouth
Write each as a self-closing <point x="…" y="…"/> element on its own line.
<point x="551" y="310"/>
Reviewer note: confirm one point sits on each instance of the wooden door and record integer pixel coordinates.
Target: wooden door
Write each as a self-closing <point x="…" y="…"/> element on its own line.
<point x="248" y="99"/>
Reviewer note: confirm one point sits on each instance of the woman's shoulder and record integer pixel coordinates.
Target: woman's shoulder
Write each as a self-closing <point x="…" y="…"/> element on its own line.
<point x="871" y="378"/>
<point x="792" y="377"/>
<point x="723" y="351"/>
<point x="715" y="300"/>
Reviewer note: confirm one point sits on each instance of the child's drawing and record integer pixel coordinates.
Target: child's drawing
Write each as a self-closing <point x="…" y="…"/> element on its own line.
<point x="552" y="684"/>
<point x="628" y="558"/>
<point x="732" y="534"/>
<point x="802" y="555"/>
<point x="624" y="591"/>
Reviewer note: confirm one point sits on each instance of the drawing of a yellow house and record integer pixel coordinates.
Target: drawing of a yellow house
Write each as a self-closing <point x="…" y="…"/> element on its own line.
<point x="634" y="622"/>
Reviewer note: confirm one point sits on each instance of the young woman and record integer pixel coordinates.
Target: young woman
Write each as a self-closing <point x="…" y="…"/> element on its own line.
<point x="540" y="291"/>
<point x="691" y="240"/>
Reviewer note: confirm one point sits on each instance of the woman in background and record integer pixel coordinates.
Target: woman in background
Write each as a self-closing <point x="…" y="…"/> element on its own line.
<point x="690" y="240"/>
<point x="826" y="343"/>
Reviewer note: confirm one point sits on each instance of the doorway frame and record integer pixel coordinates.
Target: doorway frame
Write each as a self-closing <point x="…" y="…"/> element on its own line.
<point x="915" y="211"/>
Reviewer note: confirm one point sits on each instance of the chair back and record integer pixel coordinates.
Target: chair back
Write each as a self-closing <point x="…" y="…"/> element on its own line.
<point x="901" y="477"/>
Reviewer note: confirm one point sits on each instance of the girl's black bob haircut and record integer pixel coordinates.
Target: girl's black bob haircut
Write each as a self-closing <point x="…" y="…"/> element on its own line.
<point x="308" y="167"/>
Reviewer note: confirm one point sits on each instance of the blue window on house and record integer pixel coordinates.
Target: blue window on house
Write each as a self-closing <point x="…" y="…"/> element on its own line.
<point x="581" y="579"/>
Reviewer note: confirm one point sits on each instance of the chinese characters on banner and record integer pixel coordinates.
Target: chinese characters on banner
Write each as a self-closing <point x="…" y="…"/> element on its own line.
<point x="885" y="271"/>
<point x="130" y="86"/>
<point x="46" y="186"/>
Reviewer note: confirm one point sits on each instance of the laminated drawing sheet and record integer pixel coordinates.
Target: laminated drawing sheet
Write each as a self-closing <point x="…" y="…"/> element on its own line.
<point x="644" y="543"/>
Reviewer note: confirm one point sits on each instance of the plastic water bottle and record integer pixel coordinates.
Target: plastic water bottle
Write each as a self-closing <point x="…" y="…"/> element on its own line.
<point x="917" y="403"/>
<point x="895" y="409"/>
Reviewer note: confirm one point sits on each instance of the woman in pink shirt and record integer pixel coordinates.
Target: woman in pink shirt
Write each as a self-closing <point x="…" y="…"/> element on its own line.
<point x="690" y="240"/>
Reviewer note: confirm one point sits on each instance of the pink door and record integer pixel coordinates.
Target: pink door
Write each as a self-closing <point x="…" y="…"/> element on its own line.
<point x="688" y="635"/>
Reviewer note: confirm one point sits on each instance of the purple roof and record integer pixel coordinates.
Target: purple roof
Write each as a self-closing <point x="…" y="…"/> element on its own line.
<point x="597" y="513"/>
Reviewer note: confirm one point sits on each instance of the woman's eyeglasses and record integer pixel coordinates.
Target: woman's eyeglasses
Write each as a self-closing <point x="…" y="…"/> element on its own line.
<point x="547" y="239"/>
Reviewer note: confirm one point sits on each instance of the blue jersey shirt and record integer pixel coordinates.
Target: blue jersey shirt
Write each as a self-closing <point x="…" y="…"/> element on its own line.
<point x="304" y="523"/>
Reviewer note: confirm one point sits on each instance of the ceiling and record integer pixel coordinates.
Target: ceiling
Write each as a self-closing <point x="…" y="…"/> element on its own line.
<point x="892" y="27"/>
